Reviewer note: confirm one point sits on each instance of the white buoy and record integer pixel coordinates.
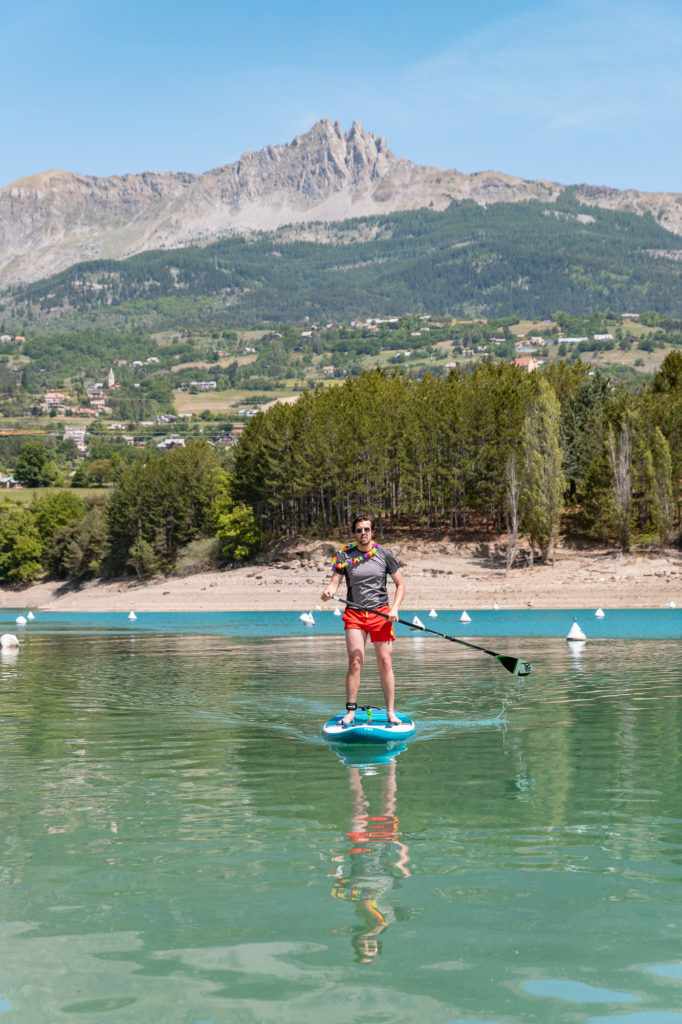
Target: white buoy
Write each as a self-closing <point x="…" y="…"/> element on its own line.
<point x="416" y="621"/>
<point x="20" y="620"/>
<point x="8" y="640"/>
<point x="465" y="617"/>
<point x="318" y="607"/>
<point x="599" y="613"/>
<point x="672" y="605"/>
<point x="433" y="614"/>
<point x="30" y="615"/>
<point x="132" y="616"/>
<point x="496" y="607"/>
<point x="575" y="632"/>
<point x="307" y="617"/>
<point x="337" y="611"/>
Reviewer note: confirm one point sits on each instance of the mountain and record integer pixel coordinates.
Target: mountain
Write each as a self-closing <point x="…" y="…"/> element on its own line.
<point x="520" y="259"/>
<point x="56" y="219"/>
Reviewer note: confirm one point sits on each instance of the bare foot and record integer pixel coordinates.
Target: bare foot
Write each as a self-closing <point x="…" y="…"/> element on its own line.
<point x="393" y="718"/>
<point x="348" y="718"/>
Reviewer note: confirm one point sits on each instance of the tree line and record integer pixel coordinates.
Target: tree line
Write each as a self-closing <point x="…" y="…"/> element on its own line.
<point x="490" y="452"/>
<point x="159" y="505"/>
<point x="495" y="450"/>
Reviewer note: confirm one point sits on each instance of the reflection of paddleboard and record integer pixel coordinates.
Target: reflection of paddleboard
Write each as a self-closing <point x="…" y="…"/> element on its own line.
<point x="366" y="728"/>
<point x="365" y="755"/>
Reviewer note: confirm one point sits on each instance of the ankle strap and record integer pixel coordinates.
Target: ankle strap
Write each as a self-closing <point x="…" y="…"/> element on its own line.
<point x="351" y="707"/>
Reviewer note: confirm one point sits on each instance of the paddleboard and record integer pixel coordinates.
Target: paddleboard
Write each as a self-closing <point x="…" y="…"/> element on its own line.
<point x="369" y="729"/>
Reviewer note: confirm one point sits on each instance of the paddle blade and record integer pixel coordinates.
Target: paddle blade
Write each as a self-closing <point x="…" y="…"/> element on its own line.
<point x="517" y="666"/>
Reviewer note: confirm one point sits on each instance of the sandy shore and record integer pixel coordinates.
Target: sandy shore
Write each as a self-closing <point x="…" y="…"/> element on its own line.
<point x="439" y="575"/>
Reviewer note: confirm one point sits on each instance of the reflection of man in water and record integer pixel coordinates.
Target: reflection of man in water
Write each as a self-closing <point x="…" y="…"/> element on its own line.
<point x="375" y="860"/>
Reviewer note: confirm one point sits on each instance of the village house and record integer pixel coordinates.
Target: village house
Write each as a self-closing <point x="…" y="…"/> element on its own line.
<point x="76" y="433"/>
<point x="527" y="363"/>
<point x="171" y="442"/>
<point x="57" y="400"/>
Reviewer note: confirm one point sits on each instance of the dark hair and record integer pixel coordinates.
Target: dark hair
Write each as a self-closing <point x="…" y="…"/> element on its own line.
<point x="360" y="518"/>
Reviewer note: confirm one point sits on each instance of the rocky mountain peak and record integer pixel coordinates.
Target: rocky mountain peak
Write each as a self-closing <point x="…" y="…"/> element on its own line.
<point x="53" y="219"/>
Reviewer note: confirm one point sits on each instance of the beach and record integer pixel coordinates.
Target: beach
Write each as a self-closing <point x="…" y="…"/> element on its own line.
<point x="439" y="574"/>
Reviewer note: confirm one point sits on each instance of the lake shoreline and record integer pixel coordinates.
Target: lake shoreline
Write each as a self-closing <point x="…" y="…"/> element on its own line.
<point x="440" y="575"/>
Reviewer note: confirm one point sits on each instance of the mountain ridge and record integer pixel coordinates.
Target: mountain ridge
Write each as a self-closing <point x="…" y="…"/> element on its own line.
<point x="54" y="219"/>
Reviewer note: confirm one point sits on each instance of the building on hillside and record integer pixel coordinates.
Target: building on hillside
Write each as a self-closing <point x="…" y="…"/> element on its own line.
<point x="75" y="432"/>
<point x="527" y="363"/>
<point x="171" y="442"/>
<point x="58" y="401"/>
<point x="8" y="482"/>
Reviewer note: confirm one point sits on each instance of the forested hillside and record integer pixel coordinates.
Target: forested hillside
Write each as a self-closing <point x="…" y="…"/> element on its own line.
<point x="489" y="452"/>
<point x="518" y="259"/>
<point x="496" y="450"/>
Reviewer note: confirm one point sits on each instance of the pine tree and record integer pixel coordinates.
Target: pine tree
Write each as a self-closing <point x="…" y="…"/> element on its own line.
<point x="542" y="480"/>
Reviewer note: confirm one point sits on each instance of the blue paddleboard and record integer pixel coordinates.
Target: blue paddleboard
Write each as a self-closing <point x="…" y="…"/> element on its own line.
<point x="366" y="729"/>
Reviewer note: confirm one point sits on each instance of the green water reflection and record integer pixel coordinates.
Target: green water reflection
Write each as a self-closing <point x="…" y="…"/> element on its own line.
<point x="178" y="844"/>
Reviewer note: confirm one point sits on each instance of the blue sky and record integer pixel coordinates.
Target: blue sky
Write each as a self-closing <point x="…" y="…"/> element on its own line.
<point x="571" y="91"/>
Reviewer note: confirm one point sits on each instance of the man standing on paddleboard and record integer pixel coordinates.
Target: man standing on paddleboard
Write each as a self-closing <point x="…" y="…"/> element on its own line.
<point x="366" y="566"/>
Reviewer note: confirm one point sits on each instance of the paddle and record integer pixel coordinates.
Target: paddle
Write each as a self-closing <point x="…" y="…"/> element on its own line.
<point x="517" y="666"/>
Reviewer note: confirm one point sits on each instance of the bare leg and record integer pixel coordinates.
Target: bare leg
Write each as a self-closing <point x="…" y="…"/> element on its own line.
<point x="356" y="640"/>
<point x="383" y="651"/>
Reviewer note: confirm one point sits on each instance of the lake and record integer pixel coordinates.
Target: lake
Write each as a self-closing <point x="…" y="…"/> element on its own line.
<point x="179" y="845"/>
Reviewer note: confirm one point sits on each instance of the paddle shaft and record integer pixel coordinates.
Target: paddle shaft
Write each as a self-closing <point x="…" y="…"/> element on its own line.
<point x="516" y="666"/>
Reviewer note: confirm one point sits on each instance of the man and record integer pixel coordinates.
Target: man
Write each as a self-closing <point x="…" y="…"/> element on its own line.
<point x="366" y="567"/>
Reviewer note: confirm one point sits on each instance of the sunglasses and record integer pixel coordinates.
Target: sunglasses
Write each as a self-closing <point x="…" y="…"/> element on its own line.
<point x="363" y="529"/>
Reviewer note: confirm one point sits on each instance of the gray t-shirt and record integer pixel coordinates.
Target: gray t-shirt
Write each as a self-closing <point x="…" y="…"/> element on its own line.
<point x="366" y="581"/>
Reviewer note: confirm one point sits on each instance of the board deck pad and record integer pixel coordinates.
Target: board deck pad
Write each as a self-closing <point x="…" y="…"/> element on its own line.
<point x="369" y="729"/>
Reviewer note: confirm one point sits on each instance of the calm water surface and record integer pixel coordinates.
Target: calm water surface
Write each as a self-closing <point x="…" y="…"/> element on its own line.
<point x="178" y="845"/>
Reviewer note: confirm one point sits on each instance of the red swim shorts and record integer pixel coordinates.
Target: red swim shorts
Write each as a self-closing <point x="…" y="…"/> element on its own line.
<point x="380" y="630"/>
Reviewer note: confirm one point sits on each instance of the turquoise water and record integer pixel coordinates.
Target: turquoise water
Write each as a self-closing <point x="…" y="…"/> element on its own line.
<point x="179" y="845"/>
<point x="647" y="623"/>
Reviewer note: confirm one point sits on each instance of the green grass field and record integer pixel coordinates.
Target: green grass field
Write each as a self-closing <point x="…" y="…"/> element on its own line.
<point x="25" y="495"/>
